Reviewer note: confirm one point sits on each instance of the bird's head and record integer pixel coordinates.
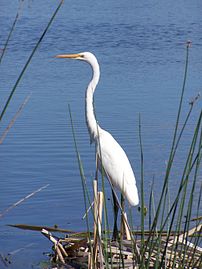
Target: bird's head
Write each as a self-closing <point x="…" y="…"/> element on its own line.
<point x="83" y="56"/>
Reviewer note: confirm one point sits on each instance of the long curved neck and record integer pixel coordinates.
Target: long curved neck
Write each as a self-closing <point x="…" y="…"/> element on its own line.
<point x="90" y="115"/>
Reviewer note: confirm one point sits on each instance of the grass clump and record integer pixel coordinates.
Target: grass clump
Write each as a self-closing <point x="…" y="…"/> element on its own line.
<point x="168" y="241"/>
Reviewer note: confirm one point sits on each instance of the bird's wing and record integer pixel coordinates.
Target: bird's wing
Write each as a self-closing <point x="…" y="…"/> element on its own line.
<point x="117" y="166"/>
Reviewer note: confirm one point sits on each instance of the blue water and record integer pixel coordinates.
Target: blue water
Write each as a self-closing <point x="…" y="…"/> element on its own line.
<point x="141" y="50"/>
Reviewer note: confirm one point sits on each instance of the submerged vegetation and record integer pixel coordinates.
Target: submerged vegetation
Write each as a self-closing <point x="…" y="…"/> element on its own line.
<point x="168" y="241"/>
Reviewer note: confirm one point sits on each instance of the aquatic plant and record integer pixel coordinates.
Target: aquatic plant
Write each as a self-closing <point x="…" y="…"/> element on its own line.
<point x="170" y="241"/>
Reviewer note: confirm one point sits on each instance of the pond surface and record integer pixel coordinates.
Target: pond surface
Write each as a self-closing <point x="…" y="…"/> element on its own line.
<point x="141" y="49"/>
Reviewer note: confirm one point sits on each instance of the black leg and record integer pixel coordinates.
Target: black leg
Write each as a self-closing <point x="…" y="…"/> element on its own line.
<point x="122" y="217"/>
<point x="116" y="210"/>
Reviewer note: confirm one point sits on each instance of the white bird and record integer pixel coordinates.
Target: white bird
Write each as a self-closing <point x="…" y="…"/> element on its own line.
<point x="108" y="152"/>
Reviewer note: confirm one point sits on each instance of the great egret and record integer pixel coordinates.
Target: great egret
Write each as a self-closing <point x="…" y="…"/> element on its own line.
<point x="109" y="153"/>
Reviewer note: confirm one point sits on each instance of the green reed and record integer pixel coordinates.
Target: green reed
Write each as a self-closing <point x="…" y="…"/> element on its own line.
<point x="142" y="204"/>
<point x="166" y="217"/>
<point x="29" y="58"/>
<point x="11" y="30"/>
<point x="82" y="175"/>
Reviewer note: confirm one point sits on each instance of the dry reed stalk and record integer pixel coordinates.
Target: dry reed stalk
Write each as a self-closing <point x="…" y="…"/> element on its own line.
<point x="100" y="210"/>
<point x="22" y="200"/>
<point x="95" y="229"/>
<point x="95" y="211"/>
<point x="3" y="136"/>
<point x="185" y="235"/>
<point x="39" y="228"/>
<point x="90" y="261"/>
<point x="121" y="256"/>
<point x="59" y="247"/>
<point x="60" y="257"/>
<point x="85" y="215"/>
<point x="126" y="230"/>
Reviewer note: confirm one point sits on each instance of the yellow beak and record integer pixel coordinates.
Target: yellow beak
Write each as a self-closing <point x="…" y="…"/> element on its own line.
<point x="71" y="56"/>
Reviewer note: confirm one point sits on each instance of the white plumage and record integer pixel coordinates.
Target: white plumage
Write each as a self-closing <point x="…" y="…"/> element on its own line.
<point x="117" y="166"/>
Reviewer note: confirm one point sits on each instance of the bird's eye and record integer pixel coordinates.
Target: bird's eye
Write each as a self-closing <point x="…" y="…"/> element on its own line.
<point x="81" y="55"/>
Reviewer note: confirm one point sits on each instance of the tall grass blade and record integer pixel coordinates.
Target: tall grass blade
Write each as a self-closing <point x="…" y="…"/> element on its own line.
<point x="29" y="60"/>
<point x="83" y="179"/>
<point x="11" y="30"/>
<point x="182" y="189"/>
<point x="106" y="235"/>
<point x="184" y="183"/>
<point x="3" y="136"/>
<point x="142" y="194"/>
<point x="150" y="240"/>
<point x="190" y="204"/>
<point x="181" y="97"/>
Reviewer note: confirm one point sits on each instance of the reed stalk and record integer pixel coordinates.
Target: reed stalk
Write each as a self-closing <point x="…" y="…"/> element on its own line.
<point x="21" y="2"/>
<point x="174" y="146"/>
<point x="142" y="205"/>
<point x="81" y="170"/>
<point x="190" y="203"/>
<point x="106" y="237"/>
<point x="2" y="214"/>
<point x="29" y="60"/>
<point x="181" y="191"/>
<point x="166" y="244"/>
<point x="4" y="134"/>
